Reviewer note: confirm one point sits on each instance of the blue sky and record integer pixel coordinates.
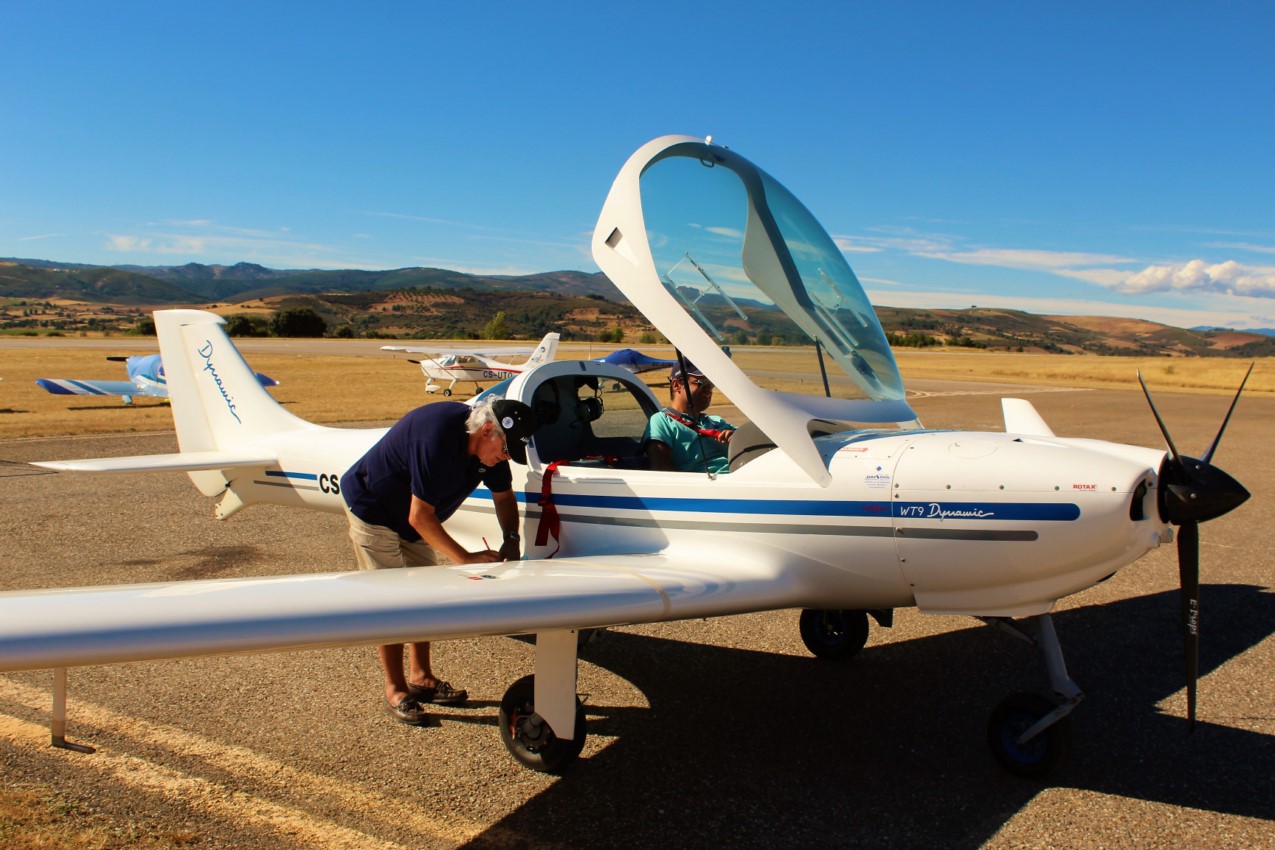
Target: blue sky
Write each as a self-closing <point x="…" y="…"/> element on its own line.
<point x="1079" y="158"/>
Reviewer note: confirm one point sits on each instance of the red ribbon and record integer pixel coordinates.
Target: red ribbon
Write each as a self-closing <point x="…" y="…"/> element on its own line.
<point x="550" y="523"/>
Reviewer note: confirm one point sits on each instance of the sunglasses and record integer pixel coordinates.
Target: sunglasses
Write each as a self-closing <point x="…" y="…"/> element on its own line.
<point x="504" y="443"/>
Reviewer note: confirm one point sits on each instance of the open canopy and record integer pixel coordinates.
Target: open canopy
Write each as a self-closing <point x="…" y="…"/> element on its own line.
<point x="715" y="251"/>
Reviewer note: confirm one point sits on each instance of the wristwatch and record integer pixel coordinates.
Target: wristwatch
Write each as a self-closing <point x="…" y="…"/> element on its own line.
<point x="512" y="537"/>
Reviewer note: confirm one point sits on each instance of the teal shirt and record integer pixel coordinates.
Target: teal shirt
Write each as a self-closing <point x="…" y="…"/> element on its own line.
<point x="689" y="449"/>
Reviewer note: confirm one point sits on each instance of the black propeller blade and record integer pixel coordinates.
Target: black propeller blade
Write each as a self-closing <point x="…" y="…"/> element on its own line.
<point x="1191" y="492"/>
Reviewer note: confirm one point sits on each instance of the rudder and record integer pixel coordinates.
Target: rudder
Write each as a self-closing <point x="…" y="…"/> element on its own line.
<point x="217" y="399"/>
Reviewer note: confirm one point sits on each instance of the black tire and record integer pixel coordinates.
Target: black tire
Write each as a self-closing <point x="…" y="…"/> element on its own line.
<point x="834" y="635"/>
<point x="528" y="738"/>
<point x="446" y="392"/>
<point x="1042" y="754"/>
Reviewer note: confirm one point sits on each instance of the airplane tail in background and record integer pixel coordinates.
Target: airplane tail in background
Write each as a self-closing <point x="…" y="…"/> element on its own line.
<point x="545" y="352"/>
<point x="217" y="399"/>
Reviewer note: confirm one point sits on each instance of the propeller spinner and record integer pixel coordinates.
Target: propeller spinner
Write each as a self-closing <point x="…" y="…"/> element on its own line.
<point x="1193" y="491"/>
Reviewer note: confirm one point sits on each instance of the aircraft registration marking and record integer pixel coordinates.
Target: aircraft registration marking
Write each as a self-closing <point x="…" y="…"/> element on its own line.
<point x="327" y="482"/>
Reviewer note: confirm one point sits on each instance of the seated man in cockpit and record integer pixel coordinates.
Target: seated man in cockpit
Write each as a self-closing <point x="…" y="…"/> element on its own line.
<point x="681" y="436"/>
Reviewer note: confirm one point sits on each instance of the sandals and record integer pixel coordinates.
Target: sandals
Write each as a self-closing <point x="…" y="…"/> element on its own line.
<point x="408" y="710"/>
<point x="441" y="694"/>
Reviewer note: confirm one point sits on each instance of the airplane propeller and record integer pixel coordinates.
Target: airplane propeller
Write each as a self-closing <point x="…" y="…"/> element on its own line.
<point x="1193" y="491"/>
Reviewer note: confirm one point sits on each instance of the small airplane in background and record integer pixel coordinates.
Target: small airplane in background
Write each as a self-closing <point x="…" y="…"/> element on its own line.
<point x="467" y="364"/>
<point x="146" y="378"/>
<point x="839" y="505"/>
<point x="635" y="361"/>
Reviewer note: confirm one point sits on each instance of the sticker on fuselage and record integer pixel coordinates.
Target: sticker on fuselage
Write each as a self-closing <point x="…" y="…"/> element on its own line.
<point x="879" y="479"/>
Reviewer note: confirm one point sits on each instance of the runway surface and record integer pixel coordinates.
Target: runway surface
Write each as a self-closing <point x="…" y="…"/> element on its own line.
<point x="721" y="732"/>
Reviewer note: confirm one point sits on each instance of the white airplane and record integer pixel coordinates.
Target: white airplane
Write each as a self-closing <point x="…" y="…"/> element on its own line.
<point x="467" y="364"/>
<point x="145" y="378"/>
<point x="824" y="509"/>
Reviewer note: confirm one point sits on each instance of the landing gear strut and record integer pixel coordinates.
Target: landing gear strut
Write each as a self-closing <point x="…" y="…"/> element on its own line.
<point x="1030" y="734"/>
<point x="542" y="721"/>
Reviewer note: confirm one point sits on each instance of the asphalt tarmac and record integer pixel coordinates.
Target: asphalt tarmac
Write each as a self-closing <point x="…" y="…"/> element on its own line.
<point x="702" y="733"/>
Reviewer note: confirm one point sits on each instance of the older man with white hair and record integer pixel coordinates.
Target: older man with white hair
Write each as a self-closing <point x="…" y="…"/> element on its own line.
<point x="400" y="493"/>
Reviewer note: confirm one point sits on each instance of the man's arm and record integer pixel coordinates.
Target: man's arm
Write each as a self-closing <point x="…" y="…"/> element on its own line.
<point x="422" y="517"/>
<point x="507" y="515"/>
<point x="661" y="456"/>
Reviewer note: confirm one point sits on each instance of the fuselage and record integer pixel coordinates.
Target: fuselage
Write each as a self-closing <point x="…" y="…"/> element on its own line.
<point x="987" y="524"/>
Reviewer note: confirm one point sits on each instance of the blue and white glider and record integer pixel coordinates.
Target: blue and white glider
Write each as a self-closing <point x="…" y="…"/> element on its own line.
<point x="635" y="361"/>
<point x="145" y="378"/>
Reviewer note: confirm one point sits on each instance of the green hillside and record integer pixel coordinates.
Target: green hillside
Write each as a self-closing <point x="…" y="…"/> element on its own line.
<point x="440" y="303"/>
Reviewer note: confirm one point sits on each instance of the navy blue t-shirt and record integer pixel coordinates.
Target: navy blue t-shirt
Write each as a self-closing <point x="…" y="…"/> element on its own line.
<point x="425" y="455"/>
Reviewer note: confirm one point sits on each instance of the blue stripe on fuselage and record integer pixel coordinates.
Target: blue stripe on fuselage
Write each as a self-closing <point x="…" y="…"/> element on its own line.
<point x="1025" y="511"/>
<point x="283" y="473"/>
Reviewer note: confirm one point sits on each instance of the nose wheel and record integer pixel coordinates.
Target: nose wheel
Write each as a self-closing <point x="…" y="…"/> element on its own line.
<point x="1014" y="720"/>
<point x="529" y="738"/>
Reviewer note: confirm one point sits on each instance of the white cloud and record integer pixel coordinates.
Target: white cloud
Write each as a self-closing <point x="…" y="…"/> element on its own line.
<point x="887" y="239"/>
<point x="40" y="236"/>
<point x="1244" y="246"/>
<point x="730" y="232"/>
<point x="1230" y="278"/>
<point x="1110" y="271"/>
<point x="205" y="241"/>
<point x="1219" y="316"/>
<point x="1025" y="258"/>
<point x="128" y="243"/>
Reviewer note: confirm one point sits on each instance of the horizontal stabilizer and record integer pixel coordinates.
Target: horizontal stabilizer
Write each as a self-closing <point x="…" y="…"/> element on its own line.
<point x="1021" y="418"/>
<point x="179" y="462"/>
<point x="71" y="386"/>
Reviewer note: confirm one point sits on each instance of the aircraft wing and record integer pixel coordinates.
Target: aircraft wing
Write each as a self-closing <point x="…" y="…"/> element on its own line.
<point x="71" y="386"/>
<point x="471" y="352"/>
<point x="73" y="627"/>
<point x="179" y="462"/>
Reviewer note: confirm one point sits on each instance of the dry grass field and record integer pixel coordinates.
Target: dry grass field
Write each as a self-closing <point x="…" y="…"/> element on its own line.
<point x="372" y="386"/>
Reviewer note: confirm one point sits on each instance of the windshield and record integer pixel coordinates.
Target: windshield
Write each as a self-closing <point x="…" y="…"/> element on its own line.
<point x="754" y="268"/>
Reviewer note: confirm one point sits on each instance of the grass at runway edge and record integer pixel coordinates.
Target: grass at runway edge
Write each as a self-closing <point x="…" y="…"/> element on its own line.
<point x="34" y="817"/>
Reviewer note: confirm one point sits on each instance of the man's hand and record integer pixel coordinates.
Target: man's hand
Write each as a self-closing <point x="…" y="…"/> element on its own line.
<point x="511" y="550"/>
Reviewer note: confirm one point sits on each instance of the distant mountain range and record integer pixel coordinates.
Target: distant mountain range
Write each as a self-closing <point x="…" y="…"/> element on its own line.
<point x="195" y="282"/>
<point x="440" y="303"/>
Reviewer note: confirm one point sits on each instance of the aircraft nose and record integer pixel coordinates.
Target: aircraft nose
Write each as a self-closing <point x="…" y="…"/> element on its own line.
<point x="1196" y="491"/>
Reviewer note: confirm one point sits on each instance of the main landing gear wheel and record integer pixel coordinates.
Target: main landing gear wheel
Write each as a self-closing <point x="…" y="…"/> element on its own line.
<point x="1015" y="715"/>
<point x="834" y="635"/>
<point x="528" y="737"/>
<point x="447" y="392"/>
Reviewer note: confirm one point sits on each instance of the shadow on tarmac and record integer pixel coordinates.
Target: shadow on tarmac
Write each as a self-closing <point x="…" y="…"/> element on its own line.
<point x="750" y="749"/>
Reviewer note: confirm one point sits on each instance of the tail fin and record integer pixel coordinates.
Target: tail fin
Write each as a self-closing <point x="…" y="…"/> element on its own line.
<point x="545" y="352"/>
<point x="217" y="400"/>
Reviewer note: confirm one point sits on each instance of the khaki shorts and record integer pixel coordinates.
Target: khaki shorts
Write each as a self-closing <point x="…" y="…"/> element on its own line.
<point x="379" y="548"/>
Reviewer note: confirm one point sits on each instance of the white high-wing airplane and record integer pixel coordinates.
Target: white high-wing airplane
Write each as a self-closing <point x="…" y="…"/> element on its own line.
<point x="824" y="508"/>
<point x="145" y="378"/>
<point x="467" y="364"/>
